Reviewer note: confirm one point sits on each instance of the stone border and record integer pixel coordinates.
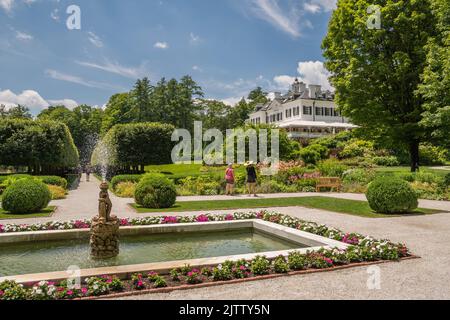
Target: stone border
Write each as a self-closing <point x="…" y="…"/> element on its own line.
<point x="238" y="281"/>
<point x="315" y="243"/>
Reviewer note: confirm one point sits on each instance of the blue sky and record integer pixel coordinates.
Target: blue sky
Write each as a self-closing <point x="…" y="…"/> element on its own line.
<point x="227" y="46"/>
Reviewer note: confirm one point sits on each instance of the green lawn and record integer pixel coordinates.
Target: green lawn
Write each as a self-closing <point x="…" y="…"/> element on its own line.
<point x="43" y="214"/>
<point x="397" y="170"/>
<point x="352" y="207"/>
<point x="185" y="170"/>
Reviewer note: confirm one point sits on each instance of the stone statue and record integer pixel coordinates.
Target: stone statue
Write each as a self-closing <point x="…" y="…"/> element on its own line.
<point x="104" y="204"/>
<point x="105" y="228"/>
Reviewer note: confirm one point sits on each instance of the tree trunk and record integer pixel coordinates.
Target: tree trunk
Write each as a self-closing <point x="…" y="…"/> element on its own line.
<point x="414" y="153"/>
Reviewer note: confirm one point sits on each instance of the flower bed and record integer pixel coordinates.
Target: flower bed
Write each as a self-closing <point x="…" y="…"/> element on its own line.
<point x="362" y="250"/>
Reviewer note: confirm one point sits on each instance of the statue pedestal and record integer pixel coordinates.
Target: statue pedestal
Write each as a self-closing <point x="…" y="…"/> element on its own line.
<point x="105" y="238"/>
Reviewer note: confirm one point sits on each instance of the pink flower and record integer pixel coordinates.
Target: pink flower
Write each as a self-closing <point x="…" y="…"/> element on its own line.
<point x="1" y="293"/>
<point x="229" y="217"/>
<point x="260" y="215"/>
<point x="70" y="292"/>
<point x="170" y="220"/>
<point x="84" y="290"/>
<point x="242" y="268"/>
<point x="202" y="218"/>
<point x="2" y="228"/>
<point x="328" y="260"/>
<point x="140" y="283"/>
<point x="124" y="222"/>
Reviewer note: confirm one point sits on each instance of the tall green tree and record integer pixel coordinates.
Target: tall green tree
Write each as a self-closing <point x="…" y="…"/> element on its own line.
<point x="141" y="100"/>
<point x="240" y="113"/>
<point x="118" y="111"/>
<point x="258" y="95"/>
<point x="377" y="72"/>
<point x="215" y="115"/>
<point x="84" y="123"/>
<point x="436" y="79"/>
<point x="15" y="112"/>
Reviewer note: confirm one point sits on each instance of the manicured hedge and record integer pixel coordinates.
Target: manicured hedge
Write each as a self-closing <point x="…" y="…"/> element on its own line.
<point x="135" y="178"/>
<point x="155" y="191"/>
<point x="391" y="195"/>
<point x="130" y="146"/>
<point x="26" y="196"/>
<point x="43" y="146"/>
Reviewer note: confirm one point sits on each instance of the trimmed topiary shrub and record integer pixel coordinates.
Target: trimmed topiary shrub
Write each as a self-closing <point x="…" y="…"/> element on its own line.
<point x="54" y="181"/>
<point x="26" y="196"/>
<point x="391" y="195"/>
<point x="134" y="178"/>
<point x="155" y="191"/>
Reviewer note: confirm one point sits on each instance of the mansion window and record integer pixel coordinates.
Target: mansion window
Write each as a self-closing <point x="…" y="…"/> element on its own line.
<point x="307" y="110"/>
<point x="328" y="112"/>
<point x="319" y="111"/>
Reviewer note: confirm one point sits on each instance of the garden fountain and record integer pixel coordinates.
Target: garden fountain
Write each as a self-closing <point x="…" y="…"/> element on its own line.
<point x="105" y="228"/>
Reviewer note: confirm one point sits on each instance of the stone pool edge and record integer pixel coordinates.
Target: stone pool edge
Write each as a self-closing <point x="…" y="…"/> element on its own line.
<point x="316" y="242"/>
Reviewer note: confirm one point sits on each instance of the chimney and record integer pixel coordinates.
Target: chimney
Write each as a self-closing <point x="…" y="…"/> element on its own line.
<point x="314" y="90"/>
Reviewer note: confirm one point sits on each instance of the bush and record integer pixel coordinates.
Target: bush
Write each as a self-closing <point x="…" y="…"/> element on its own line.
<point x="391" y="195"/>
<point x="54" y="181"/>
<point x="280" y="265"/>
<point x="332" y="168"/>
<point x="390" y="161"/>
<point x="313" y="153"/>
<point x="431" y="155"/>
<point x="155" y="191"/>
<point x="134" y="178"/>
<point x="26" y="196"/>
<point x="260" y="266"/>
<point x="356" y="148"/>
<point x="57" y="192"/>
<point x="297" y="261"/>
<point x="447" y="180"/>
<point x="358" y="176"/>
<point x="125" y="189"/>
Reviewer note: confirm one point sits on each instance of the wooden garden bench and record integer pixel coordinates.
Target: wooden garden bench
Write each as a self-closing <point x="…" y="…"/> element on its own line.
<point x="329" y="182"/>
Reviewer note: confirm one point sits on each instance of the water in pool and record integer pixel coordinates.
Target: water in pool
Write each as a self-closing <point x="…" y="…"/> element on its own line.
<point x="48" y="256"/>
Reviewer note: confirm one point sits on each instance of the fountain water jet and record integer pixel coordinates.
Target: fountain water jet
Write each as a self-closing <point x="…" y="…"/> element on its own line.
<point x="105" y="228"/>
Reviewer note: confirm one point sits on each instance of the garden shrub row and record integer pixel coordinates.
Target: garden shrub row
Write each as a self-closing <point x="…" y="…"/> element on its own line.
<point x="43" y="146"/>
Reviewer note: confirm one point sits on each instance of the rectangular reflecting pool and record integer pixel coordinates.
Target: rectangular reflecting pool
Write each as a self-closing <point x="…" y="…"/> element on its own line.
<point x="58" y="255"/>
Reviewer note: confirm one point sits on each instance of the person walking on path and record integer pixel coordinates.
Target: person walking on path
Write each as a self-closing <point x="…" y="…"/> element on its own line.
<point x="251" y="178"/>
<point x="229" y="178"/>
<point x="88" y="173"/>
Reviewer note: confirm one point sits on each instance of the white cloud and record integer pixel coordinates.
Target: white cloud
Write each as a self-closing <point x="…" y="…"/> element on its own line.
<point x="311" y="7"/>
<point x="6" y="5"/>
<point x="310" y="72"/>
<point x="161" y="45"/>
<point x="326" y="5"/>
<point x="68" y="103"/>
<point x="232" y="101"/>
<point x="270" y="11"/>
<point x="95" y="40"/>
<point x="116" y="68"/>
<point x="22" y="36"/>
<point x="32" y="100"/>
<point x="78" y="80"/>
<point x="283" y="82"/>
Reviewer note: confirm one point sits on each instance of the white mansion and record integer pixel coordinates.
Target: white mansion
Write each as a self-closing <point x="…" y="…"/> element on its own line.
<point x="304" y="112"/>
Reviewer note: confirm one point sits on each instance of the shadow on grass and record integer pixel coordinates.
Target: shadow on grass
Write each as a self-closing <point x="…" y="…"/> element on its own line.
<point x="45" y="213"/>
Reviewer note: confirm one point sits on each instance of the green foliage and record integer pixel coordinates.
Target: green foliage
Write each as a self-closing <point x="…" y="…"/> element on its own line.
<point x="54" y="181"/>
<point x="160" y="282"/>
<point x="26" y="196"/>
<point x="297" y="261"/>
<point x="125" y="189"/>
<point x="388" y="161"/>
<point x="313" y="153"/>
<point x="84" y="123"/>
<point x="137" y="144"/>
<point x="155" y="191"/>
<point x="135" y="178"/>
<point x="370" y="67"/>
<point x="41" y="145"/>
<point x="222" y="273"/>
<point x="391" y="195"/>
<point x="260" y="265"/>
<point x="280" y="265"/>
<point x="332" y="168"/>
<point x="359" y="176"/>
<point x="356" y="148"/>
<point x="12" y="291"/>
<point x="432" y="155"/>
<point x="447" y="180"/>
